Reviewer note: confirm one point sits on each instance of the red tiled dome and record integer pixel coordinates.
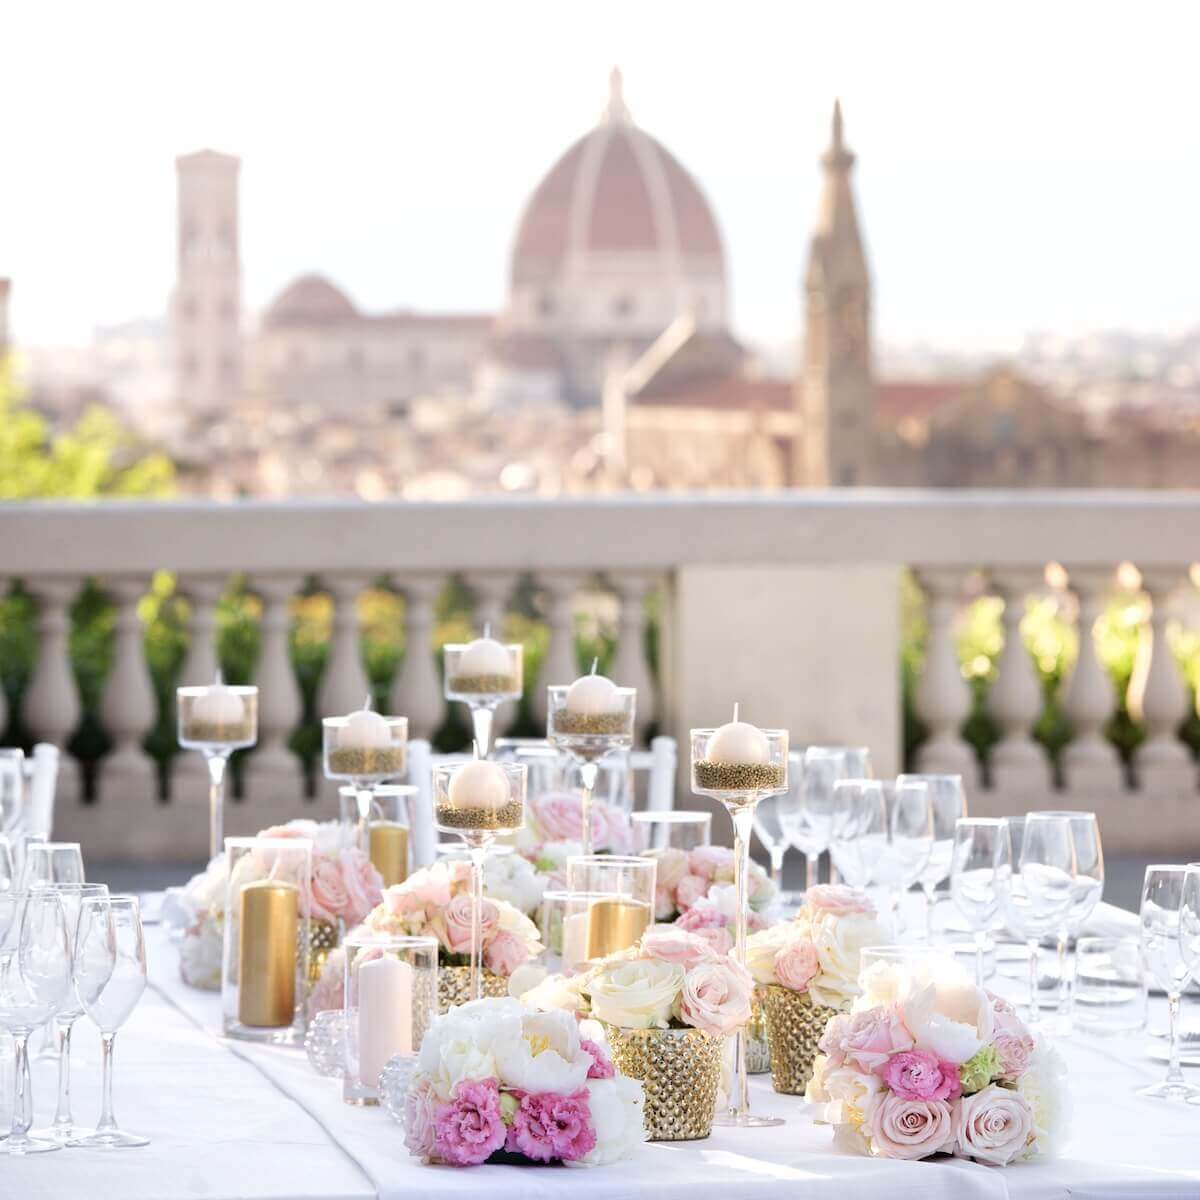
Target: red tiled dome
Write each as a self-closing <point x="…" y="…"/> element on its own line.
<point x="311" y="299"/>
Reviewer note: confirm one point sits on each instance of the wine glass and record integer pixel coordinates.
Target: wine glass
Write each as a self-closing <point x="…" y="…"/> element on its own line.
<point x="1165" y="933"/>
<point x="859" y="830"/>
<point x="909" y="840"/>
<point x="12" y="790"/>
<point x="979" y="864"/>
<point x="948" y="802"/>
<point x="110" y="977"/>
<point x="35" y="978"/>
<point x="1037" y="891"/>
<point x="806" y="808"/>
<point x="1189" y="921"/>
<point x="768" y="825"/>
<point x="64" y="1128"/>
<point x="8" y="892"/>
<point x="52" y="862"/>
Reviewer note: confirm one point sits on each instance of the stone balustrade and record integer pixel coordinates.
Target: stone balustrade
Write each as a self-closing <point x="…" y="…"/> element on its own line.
<point x="787" y="603"/>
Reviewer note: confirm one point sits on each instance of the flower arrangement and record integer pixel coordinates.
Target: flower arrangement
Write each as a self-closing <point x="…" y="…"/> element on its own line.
<point x="687" y="879"/>
<point x="818" y="952"/>
<point x="927" y="1063"/>
<point x="553" y="823"/>
<point x="494" y="1079"/>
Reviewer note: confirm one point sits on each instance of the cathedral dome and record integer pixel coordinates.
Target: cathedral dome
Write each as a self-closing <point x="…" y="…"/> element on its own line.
<point x="310" y="300"/>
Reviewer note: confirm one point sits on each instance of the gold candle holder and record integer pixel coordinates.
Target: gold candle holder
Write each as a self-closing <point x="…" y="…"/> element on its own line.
<point x="614" y="925"/>
<point x="269" y="937"/>
<point x="389" y="851"/>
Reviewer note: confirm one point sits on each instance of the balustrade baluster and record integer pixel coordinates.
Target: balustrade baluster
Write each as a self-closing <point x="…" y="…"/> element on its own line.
<point x="630" y="668"/>
<point x="344" y="684"/>
<point x="3" y="698"/>
<point x="561" y="664"/>
<point x="417" y="690"/>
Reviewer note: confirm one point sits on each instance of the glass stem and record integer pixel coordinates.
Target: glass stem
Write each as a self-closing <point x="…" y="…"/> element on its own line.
<point x="927" y="913"/>
<point x="1174" y="1072"/>
<point x="1064" y="984"/>
<point x="478" y="857"/>
<point x="777" y="853"/>
<point x="365" y="796"/>
<point x="743" y="824"/>
<point x="107" y="1122"/>
<point x="588" y="773"/>
<point x="62" y="1114"/>
<point x="22" y="1113"/>
<point x="980" y="952"/>
<point x="216" y="804"/>
<point x="810" y="871"/>
<point x="481" y="723"/>
<point x="1034" y="1008"/>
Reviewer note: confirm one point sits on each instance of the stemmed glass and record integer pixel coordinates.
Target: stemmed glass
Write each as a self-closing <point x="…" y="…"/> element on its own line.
<point x="948" y="802"/>
<point x="980" y="863"/>
<point x="806" y="808"/>
<point x="768" y="825"/>
<point x="35" y="978"/>
<point x="52" y="862"/>
<point x="12" y="790"/>
<point x="483" y="674"/>
<point x="110" y="977"/>
<point x="909" y="840"/>
<point x="1189" y="923"/>
<point x="64" y="1128"/>
<point x="739" y="784"/>
<point x="1168" y="939"/>
<point x="364" y="749"/>
<point x="1036" y="893"/>
<point x="859" y="830"/>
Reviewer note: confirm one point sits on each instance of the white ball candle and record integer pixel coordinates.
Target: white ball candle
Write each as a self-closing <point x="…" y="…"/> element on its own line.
<point x="484" y="656"/>
<point x="364" y="730"/>
<point x="217" y="705"/>
<point x="738" y="742"/>
<point x="479" y="784"/>
<point x="592" y="695"/>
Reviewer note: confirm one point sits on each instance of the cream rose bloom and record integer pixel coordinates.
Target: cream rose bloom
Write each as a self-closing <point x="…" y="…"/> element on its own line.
<point x="839" y="940"/>
<point x="636" y="994"/>
<point x="547" y="1057"/>
<point x="762" y="947"/>
<point x="1044" y="1086"/>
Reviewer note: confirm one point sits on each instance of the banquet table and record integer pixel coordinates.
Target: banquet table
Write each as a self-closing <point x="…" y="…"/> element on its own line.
<point x="230" y="1121"/>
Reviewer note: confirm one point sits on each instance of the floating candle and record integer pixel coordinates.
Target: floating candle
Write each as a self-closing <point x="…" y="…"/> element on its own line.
<point x="592" y="695"/>
<point x="484" y="656"/>
<point x="268" y="923"/>
<point x="385" y="1024"/>
<point x="478" y="785"/>
<point x="218" y="705"/>
<point x="738" y="742"/>
<point x="364" y="730"/>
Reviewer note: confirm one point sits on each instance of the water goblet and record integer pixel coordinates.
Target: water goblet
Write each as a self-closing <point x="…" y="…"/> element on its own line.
<point x="483" y="674"/>
<point x="806" y="808"/>
<point x="1168" y="938"/>
<point x="859" y="830"/>
<point x="909" y="841"/>
<point x="770" y="832"/>
<point x="12" y="790"/>
<point x="51" y="862"/>
<point x="1189" y="923"/>
<point x="110" y="977"/>
<point x="979" y="864"/>
<point x="948" y="802"/>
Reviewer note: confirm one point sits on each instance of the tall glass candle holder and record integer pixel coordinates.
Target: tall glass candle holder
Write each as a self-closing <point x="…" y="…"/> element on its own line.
<point x="264" y="968"/>
<point x="587" y="720"/>
<point x="390" y="1001"/>
<point x="478" y="800"/>
<point x="388" y="825"/>
<point x="738" y="764"/>
<point x="483" y="674"/>
<point x="364" y="748"/>
<point x="611" y="905"/>
<point x="672" y="830"/>
<point x="216" y="720"/>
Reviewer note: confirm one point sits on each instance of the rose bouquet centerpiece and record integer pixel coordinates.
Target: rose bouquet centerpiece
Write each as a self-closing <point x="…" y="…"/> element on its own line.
<point x="806" y="970"/>
<point x="553" y="823"/>
<point x="928" y="1063"/>
<point x="702" y="880"/>
<point x="495" y="1081"/>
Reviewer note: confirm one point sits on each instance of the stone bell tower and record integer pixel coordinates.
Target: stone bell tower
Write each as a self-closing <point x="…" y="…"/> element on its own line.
<point x="836" y="386"/>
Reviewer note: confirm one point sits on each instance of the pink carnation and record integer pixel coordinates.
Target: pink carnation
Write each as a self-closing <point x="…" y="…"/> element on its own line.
<point x="601" y="1067"/>
<point x="504" y="953"/>
<point x="469" y="1129"/>
<point x="838" y="899"/>
<point x="920" y="1075"/>
<point x="549" y="1126"/>
<point x="796" y="964"/>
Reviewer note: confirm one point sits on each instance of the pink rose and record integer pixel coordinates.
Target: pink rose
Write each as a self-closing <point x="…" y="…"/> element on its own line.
<point x="559" y="817"/>
<point x="420" y="1118"/>
<point x="796" y="964"/>
<point x="706" y="861"/>
<point x="920" y="1075"/>
<point x="328" y="892"/>
<point x="616" y="830"/>
<point x="430" y="887"/>
<point x="838" y="899"/>
<point x="675" y="945"/>
<point x="330" y="990"/>
<point x="831" y="1041"/>
<point x="718" y="937"/>
<point x="690" y="889"/>
<point x="458" y="923"/>
<point x="868" y="1039"/>
<point x="716" y="997"/>
<point x="664" y="904"/>
<point x="900" y="1128"/>
<point x="363" y="884"/>
<point x="993" y="1126"/>
<point x="504" y="953"/>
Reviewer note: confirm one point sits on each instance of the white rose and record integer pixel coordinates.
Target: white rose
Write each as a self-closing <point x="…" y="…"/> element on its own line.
<point x="637" y="994"/>
<point x="617" y="1107"/>
<point x="200" y="954"/>
<point x="881" y="984"/>
<point x="555" y="991"/>
<point x="1044" y="1086"/>
<point x="762" y="947"/>
<point x="512" y="920"/>
<point x="839" y="941"/>
<point x="511" y="878"/>
<point x="948" y="1015"/>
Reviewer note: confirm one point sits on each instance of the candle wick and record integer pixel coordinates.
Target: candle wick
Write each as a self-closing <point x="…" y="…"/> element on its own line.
<point x="367" y="704"/>
<point x="220" y="679"/>
<point x="595" y="664"/>
<point x="736" y="706"/>
<point x="487" y="629"/>
<point x="475" y="747"/>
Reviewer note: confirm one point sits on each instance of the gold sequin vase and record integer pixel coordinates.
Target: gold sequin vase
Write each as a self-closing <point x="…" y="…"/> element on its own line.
<point x="454" y="986"/>
<point x="323" y="938"/>
<point x="758" y="1042"/>
<point x="680" y="1069"/>
<point x="794" y="1027"/>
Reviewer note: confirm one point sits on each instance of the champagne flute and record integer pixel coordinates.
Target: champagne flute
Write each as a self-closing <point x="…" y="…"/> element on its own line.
<point x="948" y="802"/>
<point x="979" y="866"/>
<point x="35" y="978"/>
<point x="909" y="840"/>
<point x="110" y="977"/>
<point x="1165" y="934"/>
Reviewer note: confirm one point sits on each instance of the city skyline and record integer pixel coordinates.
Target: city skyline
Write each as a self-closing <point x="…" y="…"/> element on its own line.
<point x="988" y="215"/>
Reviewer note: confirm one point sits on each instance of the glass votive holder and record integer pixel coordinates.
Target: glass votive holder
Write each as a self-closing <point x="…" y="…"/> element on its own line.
<point x="909" y="959"/>
<point x="264" y="967"/>
<point x="390" y="1000"/>
<point x="621" y="898"/>
<point x="1110" y="992"/>
<point x="364" y="750"/>
<point x="388" y="823"/>
<point x="677" y="830"/>
<point x="744" y="767"/>
<point x="483" y="671"/>
<point x="588" y="733"/>
<point x="479" y="799"/>
<point x="583" y="927"/>
<point x="545" y="764"/>
<point x="217" y="717"/>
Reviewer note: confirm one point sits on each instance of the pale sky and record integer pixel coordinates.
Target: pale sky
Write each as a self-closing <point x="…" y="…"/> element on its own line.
<point x="1022" y="165"/>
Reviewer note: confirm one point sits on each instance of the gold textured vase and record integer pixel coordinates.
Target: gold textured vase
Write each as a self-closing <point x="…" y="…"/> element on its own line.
<point x="680" y="1070"/>
<point x="758" y="1042"/>
<point x="323" y="938"/>
<point x="794" y="1027"/>
<point x="454" y="986"/>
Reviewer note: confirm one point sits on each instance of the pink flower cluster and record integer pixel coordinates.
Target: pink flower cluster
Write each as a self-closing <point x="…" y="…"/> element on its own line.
<point x="685" y="878"/>
<point x="344" y="884"/>
<point x="558" y="817"/>
<point x="899" y="1098"/>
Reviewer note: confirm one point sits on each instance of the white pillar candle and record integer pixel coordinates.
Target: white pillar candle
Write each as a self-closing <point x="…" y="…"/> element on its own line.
<point x="738" y="742"/>
<point x="484" y="656"/>
<point x="575" y="937"/>
<point x="593" y="695"/>
<point x="364" y="730"/>
<point x="385" y="987"/>
<point x="217" y="705"/>
<point x="478" y="784"/>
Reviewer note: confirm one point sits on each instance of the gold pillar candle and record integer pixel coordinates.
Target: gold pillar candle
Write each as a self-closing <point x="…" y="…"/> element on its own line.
<point x="614" y="925"/>
<point x="268" y="944"/>
<point x="389" y="851"/>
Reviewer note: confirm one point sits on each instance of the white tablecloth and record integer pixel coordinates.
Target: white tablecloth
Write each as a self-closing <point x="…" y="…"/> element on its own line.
<point x="231" y="1121"/>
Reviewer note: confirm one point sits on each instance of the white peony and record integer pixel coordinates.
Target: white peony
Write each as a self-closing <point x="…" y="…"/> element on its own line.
<point x="882" y="983"/>
<point x="511" y="878"/>
<point x="948" y="1015"/>
<point x="637" y="994"/>
<point x="762" y="947"/>
<point x="548" y="1056"/>
<point x="1044" y="1086"/>
<point x="840" y="939"/>
<point x="555" y="991"/>
<point x="465" y="1042"/>
<point x="617" y="1107"/>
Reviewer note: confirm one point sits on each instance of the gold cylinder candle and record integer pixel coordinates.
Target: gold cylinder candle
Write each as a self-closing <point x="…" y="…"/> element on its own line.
<point x="267" y="949"/>
<point x="389" y="851"/>
<point x="614" y="925"/>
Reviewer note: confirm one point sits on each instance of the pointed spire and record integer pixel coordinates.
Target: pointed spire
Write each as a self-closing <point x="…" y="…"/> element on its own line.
<point x="837" y="157"/>
<point x="616" y="110"/>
